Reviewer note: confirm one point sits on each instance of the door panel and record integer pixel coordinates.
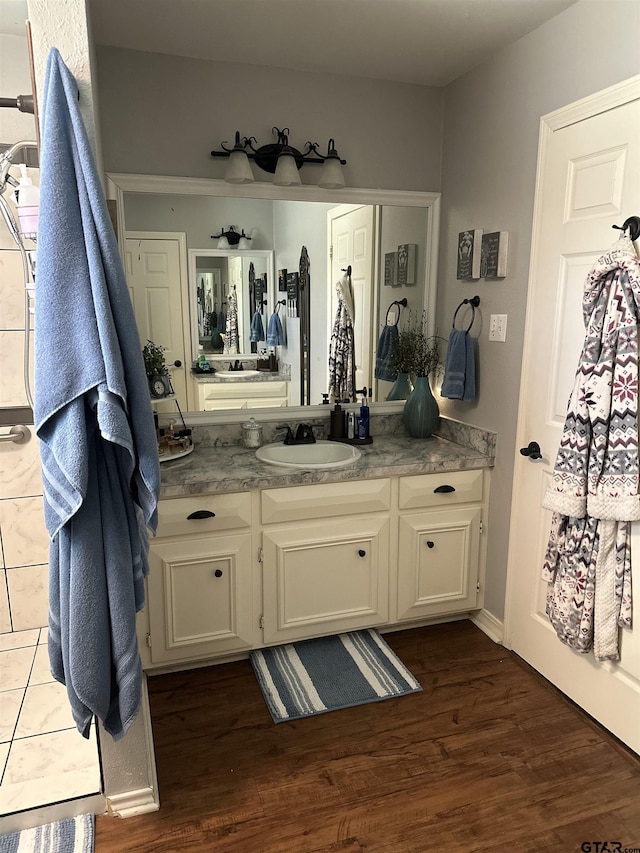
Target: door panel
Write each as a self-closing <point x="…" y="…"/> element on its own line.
<point x="589" y="179"/>
<point x="157" y="282"/>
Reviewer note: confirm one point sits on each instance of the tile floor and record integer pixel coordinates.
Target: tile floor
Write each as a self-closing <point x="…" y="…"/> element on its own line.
<point x="43" y="758"/>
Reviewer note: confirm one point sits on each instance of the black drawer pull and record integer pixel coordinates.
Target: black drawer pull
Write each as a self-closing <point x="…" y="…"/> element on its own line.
<point x="218" y="573"/>
<point x="201" y="513"/>
<point x="430" y="544"/>
<point x="443" y="490"/>
<point x="362" y="553"/>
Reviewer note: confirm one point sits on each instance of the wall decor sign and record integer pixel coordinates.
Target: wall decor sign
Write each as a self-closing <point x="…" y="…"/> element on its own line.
<point x="390" y="263"/>
<point x="407" y="263"/>
<point x="493" y="263"/>
<point x="469" y="254"/>
<point x="282" y="280"/>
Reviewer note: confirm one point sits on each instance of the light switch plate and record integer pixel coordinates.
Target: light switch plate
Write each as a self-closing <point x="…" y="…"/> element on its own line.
<point x="498" y="327"/>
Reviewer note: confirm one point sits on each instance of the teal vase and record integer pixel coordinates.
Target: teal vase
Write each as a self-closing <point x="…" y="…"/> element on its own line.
<point x="421" y="412"/>
<point x="401" y="388"/>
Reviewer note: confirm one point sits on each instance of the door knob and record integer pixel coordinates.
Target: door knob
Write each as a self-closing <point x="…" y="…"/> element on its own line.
<point x="177" y="363"/>
<point x="532" y="450"/>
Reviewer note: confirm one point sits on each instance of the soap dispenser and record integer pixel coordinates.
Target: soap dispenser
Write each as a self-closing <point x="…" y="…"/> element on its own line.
<point x="337" y="422"/>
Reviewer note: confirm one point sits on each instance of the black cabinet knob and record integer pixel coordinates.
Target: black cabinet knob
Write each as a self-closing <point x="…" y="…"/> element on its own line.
<point x="201" y="513"/>
<point x="430" y="544"/>
<point x="218" y="573"/>
<point x="532" y="450"/>
<point x="177" y="363"/>
<point x="362" y="553"/>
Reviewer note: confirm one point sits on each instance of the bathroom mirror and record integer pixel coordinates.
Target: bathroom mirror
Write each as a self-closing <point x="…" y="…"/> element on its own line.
<point x="360" y="228"/>
<point x="215" y="276"/>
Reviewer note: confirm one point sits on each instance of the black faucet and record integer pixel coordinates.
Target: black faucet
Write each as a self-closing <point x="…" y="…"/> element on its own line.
<point x="237" y="366"/>
<point x="304" y="434"/>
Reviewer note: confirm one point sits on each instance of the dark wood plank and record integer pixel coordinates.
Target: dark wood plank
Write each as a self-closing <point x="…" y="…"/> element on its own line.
<point x="489" y="757"/>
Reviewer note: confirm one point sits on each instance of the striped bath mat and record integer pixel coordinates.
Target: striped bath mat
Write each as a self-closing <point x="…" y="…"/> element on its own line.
<point x="315" y="676"/>
<point x="70" y="835"/>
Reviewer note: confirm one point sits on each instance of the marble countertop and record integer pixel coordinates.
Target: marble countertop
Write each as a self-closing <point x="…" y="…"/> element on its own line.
<point x="240" y="376"/>
<point x="234" y="468"/>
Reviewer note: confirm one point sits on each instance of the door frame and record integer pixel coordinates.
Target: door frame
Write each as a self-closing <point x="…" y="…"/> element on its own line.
<point x="607" y="99"/>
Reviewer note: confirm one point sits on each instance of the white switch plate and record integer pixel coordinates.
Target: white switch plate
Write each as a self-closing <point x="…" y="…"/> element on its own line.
<point x="498" y="327"/>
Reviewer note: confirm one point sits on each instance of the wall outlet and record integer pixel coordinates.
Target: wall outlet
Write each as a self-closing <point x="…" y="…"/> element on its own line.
<point x="498" y="327"/>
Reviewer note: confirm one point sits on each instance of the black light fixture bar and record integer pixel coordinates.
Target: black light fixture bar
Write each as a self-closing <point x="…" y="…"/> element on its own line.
<point x="266" y="156"/>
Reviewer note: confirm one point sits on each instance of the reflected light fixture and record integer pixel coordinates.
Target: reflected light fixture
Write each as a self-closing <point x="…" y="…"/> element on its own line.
<point x="231" y="239"/>
<point x="281" y="160"/>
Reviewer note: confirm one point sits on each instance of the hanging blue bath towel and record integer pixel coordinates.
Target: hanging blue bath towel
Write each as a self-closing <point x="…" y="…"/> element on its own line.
<point x="93" y="416"/>
<point x="459" y="382"/>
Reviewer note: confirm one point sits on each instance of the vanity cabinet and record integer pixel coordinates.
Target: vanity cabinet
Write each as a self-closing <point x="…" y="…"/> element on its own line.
<point x="233" y="572"/>
<point x="245" y="394"/>
<point x="439" y="553"/>
<point x="327" y="569"/>
<point x="200" y="584"/>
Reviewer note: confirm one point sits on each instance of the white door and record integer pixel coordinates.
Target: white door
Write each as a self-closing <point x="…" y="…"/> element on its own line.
<point x="588" y="180"/>
<point x="352" y="244"/>
<point x="157" y="278"/>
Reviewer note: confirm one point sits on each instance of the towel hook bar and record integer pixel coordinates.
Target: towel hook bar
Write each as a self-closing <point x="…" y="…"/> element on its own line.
<point x="474" y="302"/>
<point x="400" y="303"/>
<point x="347" y="270"/>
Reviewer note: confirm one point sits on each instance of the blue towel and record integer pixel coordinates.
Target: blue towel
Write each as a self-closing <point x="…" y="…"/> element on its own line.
<point x="94" y="419"/>
<point x="256" y="332"/>
<point x="384" y="354"/>
<point x="275" y="332"/>
<point x="459" y="381"/>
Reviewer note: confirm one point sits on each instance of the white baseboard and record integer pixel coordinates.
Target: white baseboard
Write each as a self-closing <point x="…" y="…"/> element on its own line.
<point x="132" y="803"/>
<point x="30" y="818"/>
<point x="490" y="624"/>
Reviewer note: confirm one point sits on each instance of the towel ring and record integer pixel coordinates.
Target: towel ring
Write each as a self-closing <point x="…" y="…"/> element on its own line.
<point x="474" y="302"/>
<point x="399" y="303"/>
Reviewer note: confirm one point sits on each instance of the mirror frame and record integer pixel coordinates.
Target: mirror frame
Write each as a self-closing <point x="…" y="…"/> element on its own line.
<point x="120" y="183"/>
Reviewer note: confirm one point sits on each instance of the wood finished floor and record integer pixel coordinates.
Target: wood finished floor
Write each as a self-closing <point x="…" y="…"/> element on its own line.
<point x="489" y="757"/>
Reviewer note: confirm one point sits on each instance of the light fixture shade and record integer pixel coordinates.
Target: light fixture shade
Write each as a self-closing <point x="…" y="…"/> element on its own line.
<point x="243" y="244"/>
<point x="331" y="177"/>
<point x="239" y="169"/>
<point x="223" y="243"/>
<point x="287" y="174"/>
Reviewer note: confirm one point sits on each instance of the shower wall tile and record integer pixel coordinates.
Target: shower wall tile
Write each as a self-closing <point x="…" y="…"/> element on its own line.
<point x="20" y="470"/>
<point x="24" y="536"/>
<point x="5" y="620"/>
<point x="11" y="291"/>
<point x="29" y="597"/>
<point x="12" y="391"/>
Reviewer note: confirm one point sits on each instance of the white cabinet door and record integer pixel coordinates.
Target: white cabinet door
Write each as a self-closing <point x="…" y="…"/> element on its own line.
<point x="324" y="577"/>
<point x="438" y="562"/>
<point x="200" y="597"/>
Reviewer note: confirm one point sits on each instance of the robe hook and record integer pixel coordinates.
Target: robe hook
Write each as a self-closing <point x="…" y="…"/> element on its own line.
<point x="633" y="224"/>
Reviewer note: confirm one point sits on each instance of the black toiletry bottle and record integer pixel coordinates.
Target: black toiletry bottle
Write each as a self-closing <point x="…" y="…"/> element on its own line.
<point x="337" y="422"/>
<point x="363" y="422"/>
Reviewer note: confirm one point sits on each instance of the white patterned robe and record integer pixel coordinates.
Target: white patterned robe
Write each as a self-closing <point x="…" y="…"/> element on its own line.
<point x="342" y="368"/>
<point x="594" y="490"/>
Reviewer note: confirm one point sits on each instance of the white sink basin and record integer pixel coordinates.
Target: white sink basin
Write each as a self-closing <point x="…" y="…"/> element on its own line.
<point x="322" y="454"/>
<point x="237" y="374"/>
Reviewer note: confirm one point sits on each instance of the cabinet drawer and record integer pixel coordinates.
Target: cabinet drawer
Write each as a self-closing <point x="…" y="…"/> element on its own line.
<point x="324" y="500"/>
<point x="437" y="490"/>
<point x="228" y="512"/>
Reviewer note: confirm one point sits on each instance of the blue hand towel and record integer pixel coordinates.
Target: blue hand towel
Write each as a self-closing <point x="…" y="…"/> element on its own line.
<point x="256" y="332"/>
<point x="384" y="354"/>
<point x="459" y="381"/>
<point x="93" y="416"/>
<point x="275" y="332"/>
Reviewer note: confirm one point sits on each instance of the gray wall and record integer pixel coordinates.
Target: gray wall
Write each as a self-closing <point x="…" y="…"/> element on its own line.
<point x="490" y="145"/>
<point x="165" y="114"/>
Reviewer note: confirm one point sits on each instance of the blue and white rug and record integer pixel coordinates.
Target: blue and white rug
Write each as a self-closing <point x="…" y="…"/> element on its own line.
<point x="316" y="676"/>
<point x="71" y="835"/>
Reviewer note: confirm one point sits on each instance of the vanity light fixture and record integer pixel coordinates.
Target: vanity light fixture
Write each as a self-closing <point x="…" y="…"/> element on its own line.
<point x="281" y="160"/>
<point x="231" y="239"/>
